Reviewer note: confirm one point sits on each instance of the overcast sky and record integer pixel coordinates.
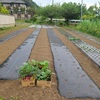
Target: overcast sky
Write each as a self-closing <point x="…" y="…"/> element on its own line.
<point x="46" y="2"/>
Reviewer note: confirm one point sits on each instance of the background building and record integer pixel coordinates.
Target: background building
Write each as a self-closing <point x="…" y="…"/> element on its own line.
<point x="18" y="8"/>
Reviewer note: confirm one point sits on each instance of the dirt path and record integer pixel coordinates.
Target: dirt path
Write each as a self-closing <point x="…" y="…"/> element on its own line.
<point x="87" y="64"/>
<point x="40" y="52"/>
<point x="7" y="47"/>
<point x="84" y="39"/>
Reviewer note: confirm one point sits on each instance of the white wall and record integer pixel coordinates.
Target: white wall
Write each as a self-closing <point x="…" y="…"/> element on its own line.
<point x="7" y="20"/>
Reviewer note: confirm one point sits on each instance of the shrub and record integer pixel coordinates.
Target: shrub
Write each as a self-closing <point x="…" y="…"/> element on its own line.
<point x="90" y="27"/>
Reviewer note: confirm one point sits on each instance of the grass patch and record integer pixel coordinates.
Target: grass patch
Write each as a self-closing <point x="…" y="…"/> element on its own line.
<point x="90" y="27"/>
<point x="4" y="30"/>
<point x="11" y="98"/>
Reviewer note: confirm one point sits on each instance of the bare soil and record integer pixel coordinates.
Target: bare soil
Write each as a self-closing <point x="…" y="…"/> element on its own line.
<point x="42" y="51"/>
<point x="6" y="32"/>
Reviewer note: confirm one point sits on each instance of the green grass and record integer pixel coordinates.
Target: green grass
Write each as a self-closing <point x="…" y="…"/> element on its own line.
<point x="19" y="25"/>
<point x="11" y="98"/>
<point x="20" y="20"/>
<point x="90" y="27"/>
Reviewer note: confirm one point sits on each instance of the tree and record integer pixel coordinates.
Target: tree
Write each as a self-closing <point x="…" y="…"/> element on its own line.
<point x="50" y="11"/>
<point x="31" y="11"/>
<point x="3" y="10"/>
<point x="91" y="10"/>
<point x="71" y="11"/>
<point x="94" y="12"/>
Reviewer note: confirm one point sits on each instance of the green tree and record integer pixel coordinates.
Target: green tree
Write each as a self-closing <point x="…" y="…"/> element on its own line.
<point x="31" y="11"/>
<point x="50" y="11"/>
<point x="91" y="10"/>
<point x="94" y="12"/>
<point x="3" y="10"/>
<point x="72" y="11"/>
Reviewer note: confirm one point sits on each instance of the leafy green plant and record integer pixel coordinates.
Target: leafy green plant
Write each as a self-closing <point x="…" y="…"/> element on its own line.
<point x="38" y="70"/>
<point x="44" y="74"/>
<point x="73" y="38"/>
<point x="1" y="98"/>
<point x="14" y="98"/>
<point x="27" y="71"/>
<point x="90" y="27"/>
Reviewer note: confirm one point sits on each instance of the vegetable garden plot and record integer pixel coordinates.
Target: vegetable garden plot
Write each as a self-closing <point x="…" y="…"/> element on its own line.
<point x="89" y="50"/>
<point x="73" y="82"/>
<point x="10" y="69"/>
<point x="88" y="36"/>
<point x="12" y="35"/>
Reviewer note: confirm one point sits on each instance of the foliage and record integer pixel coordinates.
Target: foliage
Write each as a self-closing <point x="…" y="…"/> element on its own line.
<point x="31" y="11"/>
<point x="93" y="12"/>
<point x="50" y="11"/>
<point x="43" y="72"/>
<point x="3" y="28"/>
<point x="39" y="70"/>
<point x="72" y="39"/>
<point x="71" y="10"/>
<point x="37" y="19"/>
<point x="32" y="6"/>
<point x="11" y="98"/>
<point x="34" y="18"/>
<point x="15" y="9"/>
<point x="90" y="27"/>
<point x="22" y="10"/>
<point x="28" y="21"/>
<point x="60" y="23"/>
<point x="88" y="17"/>
<point x="26" y="70"/>
<point x="1" y="98"/>
<point x="3" y="10"/>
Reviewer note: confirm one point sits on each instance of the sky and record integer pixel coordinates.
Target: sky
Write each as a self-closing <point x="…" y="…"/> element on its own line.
<point x="46" y="2"/>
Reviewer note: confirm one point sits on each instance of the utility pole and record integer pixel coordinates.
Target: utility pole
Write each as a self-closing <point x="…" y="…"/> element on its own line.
<point x="81" y="9"/>
<point x="52" y="2"/>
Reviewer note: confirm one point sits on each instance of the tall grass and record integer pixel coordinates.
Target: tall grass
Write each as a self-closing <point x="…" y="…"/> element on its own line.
<point x="90" y="27"/>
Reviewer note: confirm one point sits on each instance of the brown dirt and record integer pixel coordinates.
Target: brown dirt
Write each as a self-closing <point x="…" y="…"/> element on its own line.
<point x="84" y="39"/>
<point x="86" y="63"/>
<point x="40" y="52"/>
<point x="7" y="33"/>
<point x="11" y="30"/>
<point x="7" y="47"/>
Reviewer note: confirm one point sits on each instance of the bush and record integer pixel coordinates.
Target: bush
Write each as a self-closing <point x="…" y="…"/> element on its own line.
<point x="28" y="21"/>
<point x="90" y="27"/>
<point x="4" y="28"/>
<point x="61" y="23"/>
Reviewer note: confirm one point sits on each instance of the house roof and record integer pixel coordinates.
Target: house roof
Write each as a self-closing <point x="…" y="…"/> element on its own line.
<point x="12" y="1"/>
